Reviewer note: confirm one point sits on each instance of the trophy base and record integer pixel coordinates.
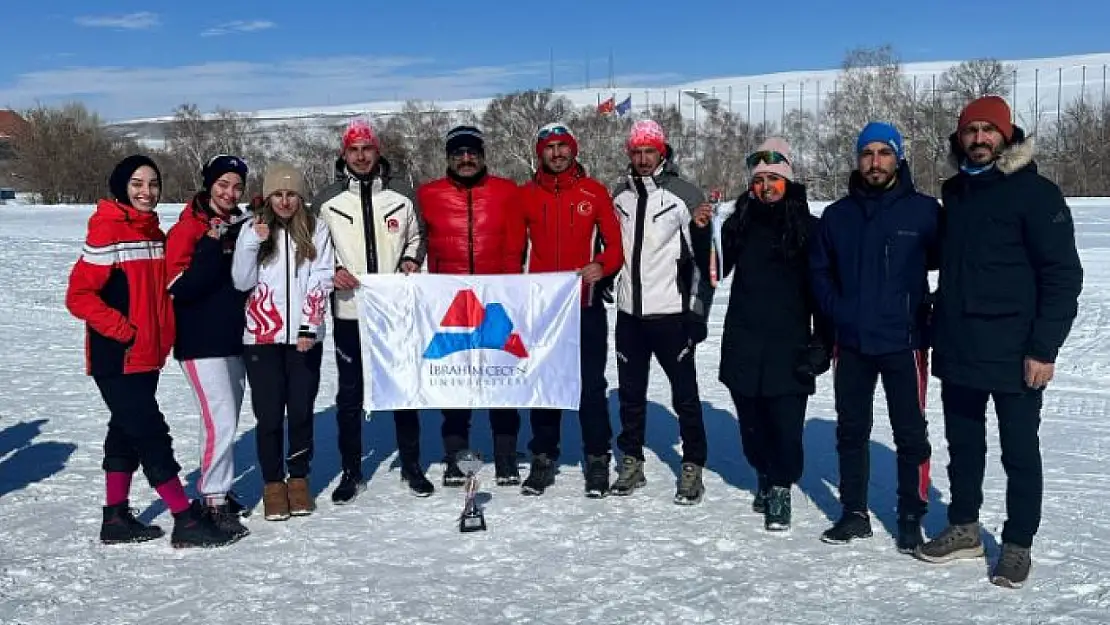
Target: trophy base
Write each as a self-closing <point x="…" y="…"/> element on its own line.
<point x="472" y="522"/>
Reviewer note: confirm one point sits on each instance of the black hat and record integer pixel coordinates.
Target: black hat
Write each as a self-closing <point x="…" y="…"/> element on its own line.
<point x="121" y="176"/>
<point x="465" y="137"/>
<point x="220" y="165"/>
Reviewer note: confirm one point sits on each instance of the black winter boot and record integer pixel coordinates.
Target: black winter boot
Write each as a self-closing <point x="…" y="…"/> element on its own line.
<point x="194" y="527"/>
<point x="540" y="476"/>
<point x="121" y="526"/>
<point x="597" y="476"/>
<point x="413" y="475"/>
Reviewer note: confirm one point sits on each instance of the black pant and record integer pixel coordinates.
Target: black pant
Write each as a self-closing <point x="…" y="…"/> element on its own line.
<point x="904" y="375"/>
<point x="284" y="383"/>
<point x="665" y="338"/>
<point x="505" y="423"/>
<point x="137" y="429"/>
<point x="348" y="403"/>
<point x="1019" y="419"/>
<point x="771" y="430"/>
<point x="593" y="409"/>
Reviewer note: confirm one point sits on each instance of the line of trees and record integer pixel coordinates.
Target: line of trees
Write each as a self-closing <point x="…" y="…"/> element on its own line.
<point x="67" y="152"/>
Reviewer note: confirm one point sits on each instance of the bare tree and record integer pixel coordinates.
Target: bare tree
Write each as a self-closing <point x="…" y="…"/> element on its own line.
<point x="195" y="138"/>
<point x="601" y="143"/>
<point x="510" y="123"/>
<point x="973" y="79"/>
<point x="418" y="133"/>
<point x="65" y="154"/>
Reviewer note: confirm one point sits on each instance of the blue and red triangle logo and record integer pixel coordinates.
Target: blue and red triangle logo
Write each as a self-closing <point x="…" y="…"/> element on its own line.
<point x="490" y="327"/>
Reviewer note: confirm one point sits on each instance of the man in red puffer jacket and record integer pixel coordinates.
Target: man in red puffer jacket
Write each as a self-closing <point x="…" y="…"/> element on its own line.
<point x="467" y="215"/>
<point x="571" y="225"/>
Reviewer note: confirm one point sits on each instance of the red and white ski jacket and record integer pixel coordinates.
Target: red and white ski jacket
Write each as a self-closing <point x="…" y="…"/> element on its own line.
<point x="286" y="302"/>
<point x="118" y="288"/>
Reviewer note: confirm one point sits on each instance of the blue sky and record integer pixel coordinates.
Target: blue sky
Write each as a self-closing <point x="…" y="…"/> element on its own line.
<point x="127" y="58"/>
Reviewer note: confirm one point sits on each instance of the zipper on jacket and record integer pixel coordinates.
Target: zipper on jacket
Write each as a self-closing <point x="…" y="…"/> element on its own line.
<point x="638" y="249"/>
<point x="886" y="257"/>
<point x="367" y="200"/>
<point x="288" y="292"/>
<point x="470" y="226"/>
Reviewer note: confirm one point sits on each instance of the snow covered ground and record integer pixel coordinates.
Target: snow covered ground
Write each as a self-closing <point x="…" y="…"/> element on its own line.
<point x="560" y="558"/>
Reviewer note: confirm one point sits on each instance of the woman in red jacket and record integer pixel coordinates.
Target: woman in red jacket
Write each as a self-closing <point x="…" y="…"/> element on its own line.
<point x="118" y="288"/>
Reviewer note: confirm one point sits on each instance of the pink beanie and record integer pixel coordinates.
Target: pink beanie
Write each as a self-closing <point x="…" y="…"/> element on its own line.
<point x="783" y="169"/>
<point x="359" y="131"/>
<point x="647" y="134"/>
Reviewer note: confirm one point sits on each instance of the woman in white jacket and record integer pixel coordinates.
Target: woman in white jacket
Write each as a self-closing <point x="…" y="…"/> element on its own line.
<point x="285" y="260"/>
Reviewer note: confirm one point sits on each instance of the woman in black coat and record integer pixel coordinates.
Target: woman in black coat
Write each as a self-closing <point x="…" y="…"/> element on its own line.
<point x="774" y="345"/>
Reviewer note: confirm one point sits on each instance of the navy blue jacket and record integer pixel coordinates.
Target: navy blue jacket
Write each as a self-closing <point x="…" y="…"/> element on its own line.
<point x="870" y="262"/>
<point x="207" y="306"/>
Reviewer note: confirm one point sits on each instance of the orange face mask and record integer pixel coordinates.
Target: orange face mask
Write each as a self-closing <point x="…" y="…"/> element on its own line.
<point x="766" y="189"/>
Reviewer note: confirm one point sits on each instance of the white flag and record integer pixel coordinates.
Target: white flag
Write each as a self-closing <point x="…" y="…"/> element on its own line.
<point x="447" y="341"/>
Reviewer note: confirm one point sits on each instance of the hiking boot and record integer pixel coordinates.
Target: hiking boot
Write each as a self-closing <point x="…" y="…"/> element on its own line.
<point x="759" y="503"/>
<point x="452" y="474"/>
<point x="506" y="471"/>
<point x="1013" y="567"/>
<point x="955" y="542"/>
<point x="413" y="475"/>
<point x="350" y="485"/>
<point x="194" y="527"/>
<point x="597" y="476"/>
<point x="120" y="526"/>
<point x="540" y="475"/>
<point x="777" y="517"/>
<point x="275" y="501"/>
<point x="852" y="525"/>
<point x="227" y="520"/>
<point x="909" y="534"/>
<point x="300" y="497"/>
<point x="690" y="486"/>
<point x="235" y="506"/>
<point x="630" y="478"/>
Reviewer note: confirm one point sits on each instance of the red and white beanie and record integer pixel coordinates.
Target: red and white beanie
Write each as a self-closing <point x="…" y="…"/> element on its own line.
<point x="360" y="131"/>
<point x="553" y="132"/>
<point x="647" y="133"/>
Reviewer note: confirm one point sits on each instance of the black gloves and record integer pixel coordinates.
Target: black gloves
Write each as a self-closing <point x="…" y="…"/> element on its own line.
<point x="814" y="361"/>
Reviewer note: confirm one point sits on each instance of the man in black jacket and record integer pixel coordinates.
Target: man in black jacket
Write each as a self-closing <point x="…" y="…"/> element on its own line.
<point x="870" y="260"/>
<point x="1010" y="279"/>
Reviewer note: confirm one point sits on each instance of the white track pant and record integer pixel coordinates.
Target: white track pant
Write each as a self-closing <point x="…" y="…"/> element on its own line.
<point x="218" y="385"/>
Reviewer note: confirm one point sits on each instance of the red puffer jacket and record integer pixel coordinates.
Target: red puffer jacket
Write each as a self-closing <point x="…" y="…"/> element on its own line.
<point x="118" y="288"/>
<point x="467" y="228"/>
<point x="571" y="222"/>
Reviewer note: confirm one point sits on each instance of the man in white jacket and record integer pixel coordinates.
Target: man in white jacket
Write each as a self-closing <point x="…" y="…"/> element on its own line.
<point x="376" y="227"/>
<point x="663" y="297"/>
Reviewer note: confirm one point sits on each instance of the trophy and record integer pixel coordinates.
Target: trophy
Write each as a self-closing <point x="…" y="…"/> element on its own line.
<point x="472" y="519"/>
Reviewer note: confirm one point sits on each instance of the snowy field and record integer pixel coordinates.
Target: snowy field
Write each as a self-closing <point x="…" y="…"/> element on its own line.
<point x="559" y="558"/>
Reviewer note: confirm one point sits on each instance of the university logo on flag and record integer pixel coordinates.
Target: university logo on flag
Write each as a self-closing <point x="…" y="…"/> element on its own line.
<point x="439" y="341"/>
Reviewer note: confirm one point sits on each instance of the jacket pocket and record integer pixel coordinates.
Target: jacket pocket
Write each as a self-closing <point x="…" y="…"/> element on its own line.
<point x="349" y="219"/>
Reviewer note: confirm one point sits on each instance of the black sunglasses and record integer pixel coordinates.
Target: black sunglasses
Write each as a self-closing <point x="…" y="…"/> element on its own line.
<point x="769" y="157"/>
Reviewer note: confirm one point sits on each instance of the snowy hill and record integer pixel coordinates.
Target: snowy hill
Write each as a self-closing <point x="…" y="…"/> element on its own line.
<point x="555" y="559"/>
<point x="1037" y="86"/>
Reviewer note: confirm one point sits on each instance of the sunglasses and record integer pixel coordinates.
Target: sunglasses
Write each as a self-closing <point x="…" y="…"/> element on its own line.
<point x="461" y="152"/>
<point x="554" y="131"/>
<point x="769" y="157"/>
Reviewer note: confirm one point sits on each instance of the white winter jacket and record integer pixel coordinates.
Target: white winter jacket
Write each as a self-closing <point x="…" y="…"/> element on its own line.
<point x="395" y="230"/>
<point x="662" y="272"/>
<point x="286" y="302"/>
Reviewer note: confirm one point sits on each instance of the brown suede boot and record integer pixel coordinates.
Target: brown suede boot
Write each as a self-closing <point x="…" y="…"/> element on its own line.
<point x="300" y="498"/>
<point x="275" y="501"/>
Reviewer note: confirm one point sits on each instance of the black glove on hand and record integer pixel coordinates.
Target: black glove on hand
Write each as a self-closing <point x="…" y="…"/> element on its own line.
<point x="815" y="361"/>
<point x="696" y="331"/>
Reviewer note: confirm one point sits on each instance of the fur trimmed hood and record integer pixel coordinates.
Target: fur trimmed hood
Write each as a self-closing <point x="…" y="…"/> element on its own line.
<point x="1015" y="156"/>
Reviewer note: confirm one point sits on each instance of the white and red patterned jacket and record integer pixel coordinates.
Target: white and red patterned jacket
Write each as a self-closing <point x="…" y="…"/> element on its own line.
<point x="286" y="302"/>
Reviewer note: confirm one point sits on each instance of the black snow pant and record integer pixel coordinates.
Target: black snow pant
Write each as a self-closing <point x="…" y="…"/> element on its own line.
<point x="284" y="383"/>
<point x="348" y="403"/>
<point x="1019" y="419"/>
<point x="904" y="376"/>
<point x="593" y="409"/>
<point x="138" y="434"/>
<point x="771" y="430"/>
<point x="504" y="422"/>
<point x="637" y="340"/>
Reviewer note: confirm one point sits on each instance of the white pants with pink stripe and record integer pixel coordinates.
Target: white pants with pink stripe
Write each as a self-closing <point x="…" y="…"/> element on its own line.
<point x="218" y="385"/>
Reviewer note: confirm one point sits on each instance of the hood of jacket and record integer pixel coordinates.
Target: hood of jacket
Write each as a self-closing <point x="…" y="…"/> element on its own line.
<point x="1014" y="157"/>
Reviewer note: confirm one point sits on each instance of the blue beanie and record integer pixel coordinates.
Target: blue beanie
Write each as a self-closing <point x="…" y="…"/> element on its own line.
<point x="883" y="133"/>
